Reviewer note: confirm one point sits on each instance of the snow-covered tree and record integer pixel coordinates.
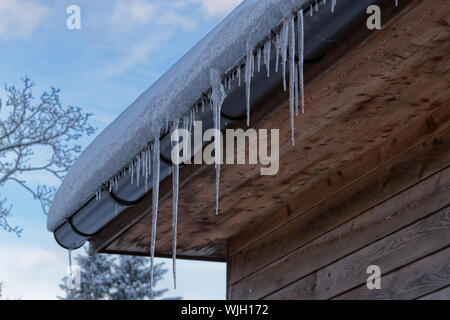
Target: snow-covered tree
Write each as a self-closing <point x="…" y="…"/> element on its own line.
<point x="44" y="126"/>
<point x="106" y="277"/>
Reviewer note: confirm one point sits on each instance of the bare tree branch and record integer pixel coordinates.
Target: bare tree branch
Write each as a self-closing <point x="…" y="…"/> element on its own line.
<point x="30" y="132"/>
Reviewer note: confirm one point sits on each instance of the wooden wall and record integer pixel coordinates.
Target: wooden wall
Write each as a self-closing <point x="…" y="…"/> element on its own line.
<point x="396" y="217"/>
<point x="388" y="207"/>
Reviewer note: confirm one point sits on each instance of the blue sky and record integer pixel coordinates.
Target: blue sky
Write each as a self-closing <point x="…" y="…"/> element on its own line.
<point x="123" y="46"/>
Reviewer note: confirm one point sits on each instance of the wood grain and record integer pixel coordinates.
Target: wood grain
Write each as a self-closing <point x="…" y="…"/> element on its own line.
<point x="390" y="253"/>
<point x="402" y="172"/>
<point x="412" y="204"/>
<point x="421" y="277"/>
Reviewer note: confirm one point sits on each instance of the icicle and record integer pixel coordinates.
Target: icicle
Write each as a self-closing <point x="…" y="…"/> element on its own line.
<point x="70" y="267"/>
<point x="145" y="170"/>
<point x="258" y="59"/>
<point x="396" y="3"/>
<point x="116" y="208"/>
<point x="292" y="75"/>
<point x="149" y="157"/>
<point x="324" y="2"/>
<point x="239" y="75"/>
<point x="156" y="172"/>
<point x="218" y="96"/>
<point x="317" y="6"/>
<point x="301" y="47"/>
<point x="138" y="169"/>
<point x="248" y="79"/>
<point x="110" y="185"/>
<point x="284" y="46"/>
<point x="333" y="5"/>
<point x="267" y="47"/>
<point x="311" y="11"/>
<point x="132" y="171"/>
<point x="175" y="188"/>
<point x="277" y="48"/>
<point x="296" y="89"/>
<point x="203" y="104"/>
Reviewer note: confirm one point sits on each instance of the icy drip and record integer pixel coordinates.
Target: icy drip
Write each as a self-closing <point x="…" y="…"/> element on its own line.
<point x="284" y="46"/>
<point x="311" y="11"/>
<point x="333" y="5"/>
<point x="218" y="96"/>
<point x="239" y="75"/>
<point x="70" y="266"/>
<point x="277" y="49"/>
<point x="317" y="6"/>
<point x="296" y="89"/>
<point x="301" y="42"/>
<point x="396" y="3"/>
<point x="175" y="188"/>
<point x="292" y="73"/>
<point x="156" y="172"/>
<point x="258" y="58"/>
<point x="248" y="79"/>
<point x="267" y="47"/>
<point x="138" y="170"/>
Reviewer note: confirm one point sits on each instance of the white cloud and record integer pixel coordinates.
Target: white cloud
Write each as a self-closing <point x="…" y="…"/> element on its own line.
<point x="132" y="12"/>
<point x="171" y="18"/>
<point x="19" y="18"/>
<point x="31" y="273"/>
<point x="213" y="8"/>
<point x="132" y="56"/>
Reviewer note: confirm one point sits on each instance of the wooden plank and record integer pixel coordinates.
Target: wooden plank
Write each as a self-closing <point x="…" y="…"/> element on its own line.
<point x="424" y="237"/>
<point x="402" y="172"/>
<point x="417" y="279"/>
<point x="442" y="294"/>
<point x="412" y="204"/>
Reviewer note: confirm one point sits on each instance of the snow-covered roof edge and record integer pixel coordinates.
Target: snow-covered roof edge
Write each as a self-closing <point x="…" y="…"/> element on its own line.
<point x="169" y="98"/>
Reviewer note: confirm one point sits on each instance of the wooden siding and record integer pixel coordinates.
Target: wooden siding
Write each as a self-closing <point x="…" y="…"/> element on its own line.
<point x="389" y="205"/>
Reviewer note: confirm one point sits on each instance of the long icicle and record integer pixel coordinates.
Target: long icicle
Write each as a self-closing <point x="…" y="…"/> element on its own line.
<point x="156" y="172"/>
<point x="70" y="267"/>
<point x="218" y="96"/>
<point x="248" y="79"/>
<point x="292" y="75"/>
<point x="175" y="188"/>
<point x="267" y="48"/>
<point x="301" y="47"/>
<point x="284" y="48"/>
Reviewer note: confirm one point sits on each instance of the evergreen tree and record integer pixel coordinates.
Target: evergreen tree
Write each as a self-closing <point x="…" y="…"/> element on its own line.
<point x="105" y="277"/>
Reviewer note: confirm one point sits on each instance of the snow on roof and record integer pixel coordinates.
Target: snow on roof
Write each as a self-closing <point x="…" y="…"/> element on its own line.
<point x="169" y="98"/>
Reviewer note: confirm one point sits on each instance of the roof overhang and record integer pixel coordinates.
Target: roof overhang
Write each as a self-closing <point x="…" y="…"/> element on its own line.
<point x="246" y="197"/>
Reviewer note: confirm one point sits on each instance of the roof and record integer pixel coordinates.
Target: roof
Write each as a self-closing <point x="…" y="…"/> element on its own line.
<point x="169" y="98"/>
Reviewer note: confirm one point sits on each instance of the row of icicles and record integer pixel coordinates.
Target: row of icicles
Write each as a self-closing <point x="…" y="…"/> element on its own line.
<point x="147" y="163"/>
